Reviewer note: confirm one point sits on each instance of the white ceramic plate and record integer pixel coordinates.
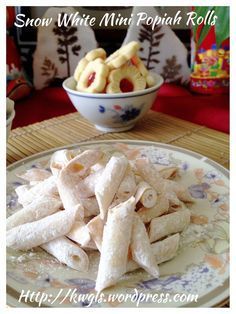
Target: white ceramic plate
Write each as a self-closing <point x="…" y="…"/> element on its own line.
<point x="201" y="266"/>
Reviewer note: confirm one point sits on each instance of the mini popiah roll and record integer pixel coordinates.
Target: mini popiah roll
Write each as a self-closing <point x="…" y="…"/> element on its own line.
<point x="167" y="172"/>
<point x="181" y="192"/>
<point x="166" y="249"/>
<point x="109" y="182"/>
<point x="59" y="160"/>
<point x="80" y="163"/>
<point x="149" y="174"/>
<point x="39" y="208"/>
<point x="161" y="207"/>
<point x="171" y="196"/>
<point x="32" y="234"/>
<point x="141" y="248"/>
<point x="21" y="190"/>
<point x="127" y="186"/>
<point x="70" y="179"/>
<point x="67" y="253"/>
<point x="146" y="195"/>
<point x="96" y="226"/>
<point x="46" y="187"/>
<point x="115" y="244"/>
<point x="91" y="245"/>
<point x="79" y="233"/>
<point x="35" y="175"/>
<point x="90" y="206"/>
<point x="101" y="162"/>
<point x="91" y="180"/>
<point x="163" y="251"/>
<point x="168" y="224"/>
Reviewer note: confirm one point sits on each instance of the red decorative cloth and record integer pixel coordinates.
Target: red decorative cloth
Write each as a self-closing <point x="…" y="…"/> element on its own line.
<point x="209" y="110"/>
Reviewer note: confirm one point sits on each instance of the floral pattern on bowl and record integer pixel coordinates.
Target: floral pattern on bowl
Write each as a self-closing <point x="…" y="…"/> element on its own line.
<point x="122" y="113"/>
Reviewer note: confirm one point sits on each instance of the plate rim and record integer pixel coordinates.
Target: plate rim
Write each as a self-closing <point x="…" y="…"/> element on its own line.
<point x="86" y="143"/>
<point x="223" y="295"/>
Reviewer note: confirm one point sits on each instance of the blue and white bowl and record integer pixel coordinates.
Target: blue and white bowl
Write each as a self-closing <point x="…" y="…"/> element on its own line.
<point x="113" y="112"/>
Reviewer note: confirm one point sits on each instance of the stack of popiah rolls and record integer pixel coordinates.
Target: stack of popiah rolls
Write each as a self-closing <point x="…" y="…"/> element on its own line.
<point x="132" y="213"/>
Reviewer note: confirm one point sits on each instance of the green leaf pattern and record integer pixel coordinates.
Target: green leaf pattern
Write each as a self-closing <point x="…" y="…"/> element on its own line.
<point x="221" y="26"/>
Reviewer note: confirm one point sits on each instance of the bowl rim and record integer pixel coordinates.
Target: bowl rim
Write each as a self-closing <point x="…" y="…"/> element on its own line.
<point x="11" y="117"/>
<point x="149" y="90"/>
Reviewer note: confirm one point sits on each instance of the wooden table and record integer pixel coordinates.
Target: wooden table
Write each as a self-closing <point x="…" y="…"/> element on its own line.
<point x="72" y="128"/>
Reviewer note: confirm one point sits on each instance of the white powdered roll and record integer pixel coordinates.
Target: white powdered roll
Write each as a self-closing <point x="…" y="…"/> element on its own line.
<point x="32" y="234"/>
<point x="101" y="163"/>
<point x="109" y="182"/>
<point x="181" y="192"/>
<point x="87" y="185"/>
<point x="86" y="159"/>
<point x="161" y="207"/>
<point x="146" y="195"/>
<point x="79" y="233"/>
<point x="70" y="179"/>
<point x="90" y="206"/>
<point x="91" y="180"/>
<point x="91" y="245"/>
<point x="149" y="173"/>
<point x="115" y="244"/>
<point x="67" y="253"/>
<point x="169" y="172"/>
<point x="141" y="248"/>
<point x="39" y="208"/>
<point x="126" y="189"/>
<point x="127" y="186"/>
<point x="46" y="187"/>
<point x="163" y="251"/>
<point x="96" y="226"/>
<point x="166" y="249"/>
<point x="59" y="160"/>
<point x="35" y="174"/>
<point x="21" y="190"/>
<point x="168" y="224"/>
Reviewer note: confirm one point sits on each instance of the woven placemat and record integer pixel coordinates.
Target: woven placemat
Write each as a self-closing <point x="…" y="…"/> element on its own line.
<point x="72" y="128"/>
